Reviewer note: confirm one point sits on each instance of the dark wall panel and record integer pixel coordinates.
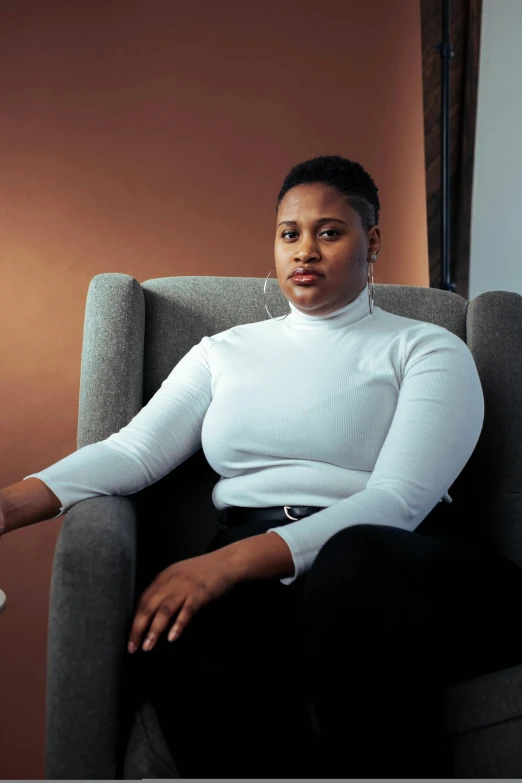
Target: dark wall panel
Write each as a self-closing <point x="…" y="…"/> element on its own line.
<point x="465" y="21"/>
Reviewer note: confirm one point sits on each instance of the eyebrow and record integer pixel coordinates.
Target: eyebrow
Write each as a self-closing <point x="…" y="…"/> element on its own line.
<point x="321" y="220"/>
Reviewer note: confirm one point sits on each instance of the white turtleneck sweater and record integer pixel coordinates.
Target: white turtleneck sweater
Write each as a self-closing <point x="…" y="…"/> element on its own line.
<point x="372" y="416"/>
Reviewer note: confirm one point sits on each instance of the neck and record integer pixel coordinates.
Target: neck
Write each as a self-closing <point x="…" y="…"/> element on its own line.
<point x="348" y="314"/>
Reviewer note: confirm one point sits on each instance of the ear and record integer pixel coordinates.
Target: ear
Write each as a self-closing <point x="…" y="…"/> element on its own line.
<point x="374" y="240"/>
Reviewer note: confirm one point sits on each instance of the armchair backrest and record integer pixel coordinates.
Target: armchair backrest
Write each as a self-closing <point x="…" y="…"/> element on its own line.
<point x="134" y="334"/>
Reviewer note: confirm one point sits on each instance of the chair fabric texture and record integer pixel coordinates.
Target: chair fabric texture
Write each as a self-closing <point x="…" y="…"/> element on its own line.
<point x="109" y="549"/>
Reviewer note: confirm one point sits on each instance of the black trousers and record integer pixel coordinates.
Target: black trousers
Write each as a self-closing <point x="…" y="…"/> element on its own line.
<point x="370" y="635"/>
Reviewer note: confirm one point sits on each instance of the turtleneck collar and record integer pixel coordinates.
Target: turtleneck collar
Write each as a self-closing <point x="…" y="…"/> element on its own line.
<point x="354" y="311"/>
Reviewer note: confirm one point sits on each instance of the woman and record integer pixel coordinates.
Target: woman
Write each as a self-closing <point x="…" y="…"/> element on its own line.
<point x="316" y="634"/>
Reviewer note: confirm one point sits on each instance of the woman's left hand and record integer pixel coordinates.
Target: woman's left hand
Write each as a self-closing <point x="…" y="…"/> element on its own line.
<point x="183" y="587"/>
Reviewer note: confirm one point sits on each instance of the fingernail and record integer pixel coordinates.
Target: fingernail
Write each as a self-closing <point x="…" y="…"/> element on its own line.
<point x="131" y="647"/>
<point x="147" y="644"/>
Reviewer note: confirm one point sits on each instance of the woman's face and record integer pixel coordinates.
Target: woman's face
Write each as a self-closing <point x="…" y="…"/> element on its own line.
<point x="338" y="248"/>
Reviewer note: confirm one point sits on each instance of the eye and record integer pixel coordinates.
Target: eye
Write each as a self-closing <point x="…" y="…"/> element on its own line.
<point x="327" y="231"/>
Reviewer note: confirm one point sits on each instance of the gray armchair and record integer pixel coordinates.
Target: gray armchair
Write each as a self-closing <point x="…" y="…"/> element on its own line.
<point x="99" y="725"/>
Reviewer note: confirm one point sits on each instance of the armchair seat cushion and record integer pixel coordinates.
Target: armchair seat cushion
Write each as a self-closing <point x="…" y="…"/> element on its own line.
<point x="483" y="723"/>
<point x="147" y="754"/>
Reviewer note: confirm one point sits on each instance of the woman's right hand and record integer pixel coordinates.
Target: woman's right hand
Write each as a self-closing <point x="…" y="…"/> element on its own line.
<point x="3" y="515"/>
<point x="27" y="502"/>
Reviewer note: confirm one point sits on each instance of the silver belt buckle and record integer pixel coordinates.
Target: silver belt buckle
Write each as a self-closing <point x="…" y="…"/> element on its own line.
<point x="288" y="515"/>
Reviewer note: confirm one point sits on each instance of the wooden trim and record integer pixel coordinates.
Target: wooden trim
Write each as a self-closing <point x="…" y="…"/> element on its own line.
<point x="465" y="29"/>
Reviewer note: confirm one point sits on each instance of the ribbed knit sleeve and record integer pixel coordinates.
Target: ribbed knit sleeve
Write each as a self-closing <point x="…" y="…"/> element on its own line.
<point x="164" y="433"/>
<point x="435" y="428"/>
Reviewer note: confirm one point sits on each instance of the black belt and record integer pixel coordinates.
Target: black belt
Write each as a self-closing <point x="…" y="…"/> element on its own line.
<point x="238" y="515"/>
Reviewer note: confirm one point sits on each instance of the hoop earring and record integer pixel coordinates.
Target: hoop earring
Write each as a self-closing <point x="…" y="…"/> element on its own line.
<point x="279" y="318"/>
<point x="371" y="290"/>
<point x="370" y="282"/>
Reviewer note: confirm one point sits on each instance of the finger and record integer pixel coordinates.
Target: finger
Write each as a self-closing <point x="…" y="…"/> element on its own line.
<point x="187" y="612"/>
<point x="147" y="607"/>
<point x="161" y="619"/>
<point x="140" y="624"/>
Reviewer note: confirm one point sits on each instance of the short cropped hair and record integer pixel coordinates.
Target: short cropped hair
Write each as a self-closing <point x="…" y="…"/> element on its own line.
<point x="347" y="176"/>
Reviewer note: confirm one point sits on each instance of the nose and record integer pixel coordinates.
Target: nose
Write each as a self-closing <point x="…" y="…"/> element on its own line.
<point x="306" y="250"/>
<point x="305" y="257"/>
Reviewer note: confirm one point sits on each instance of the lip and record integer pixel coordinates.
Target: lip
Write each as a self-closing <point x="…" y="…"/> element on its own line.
<point x="307" y="273"/>
<point x="305" y="279"/>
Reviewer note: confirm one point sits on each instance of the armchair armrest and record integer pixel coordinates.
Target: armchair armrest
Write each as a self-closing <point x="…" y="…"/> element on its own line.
<point x="90" y="614"/>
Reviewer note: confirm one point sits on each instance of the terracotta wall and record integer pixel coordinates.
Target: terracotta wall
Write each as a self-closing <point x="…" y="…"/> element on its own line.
<point x="151" y="138"/>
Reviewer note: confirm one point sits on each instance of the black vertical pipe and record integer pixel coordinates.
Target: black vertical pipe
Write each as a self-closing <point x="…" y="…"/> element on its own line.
<point x="446" y="53"/>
